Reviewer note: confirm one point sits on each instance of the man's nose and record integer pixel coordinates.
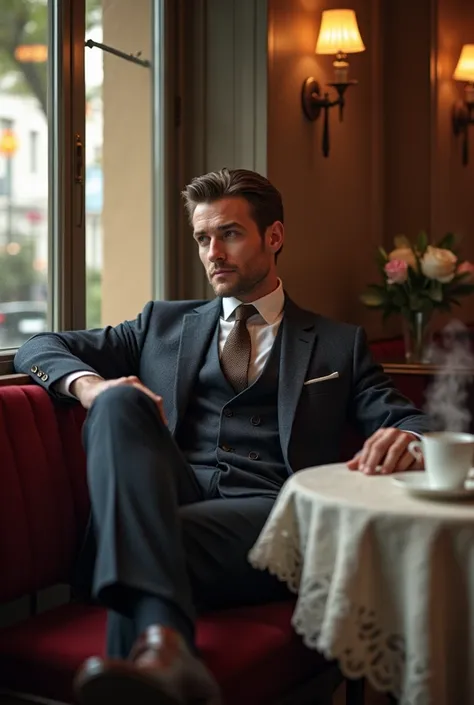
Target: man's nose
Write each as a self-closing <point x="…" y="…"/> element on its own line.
<point x="216" y="251"/>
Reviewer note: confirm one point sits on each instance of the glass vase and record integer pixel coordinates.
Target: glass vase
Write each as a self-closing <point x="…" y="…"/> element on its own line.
<point x="417" y="337"/>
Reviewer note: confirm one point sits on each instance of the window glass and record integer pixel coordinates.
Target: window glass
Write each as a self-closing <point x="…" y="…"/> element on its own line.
<point x="23" y="170"/>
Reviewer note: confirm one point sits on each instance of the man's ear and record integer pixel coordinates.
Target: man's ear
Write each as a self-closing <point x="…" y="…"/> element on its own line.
<point x="276" y="236"/>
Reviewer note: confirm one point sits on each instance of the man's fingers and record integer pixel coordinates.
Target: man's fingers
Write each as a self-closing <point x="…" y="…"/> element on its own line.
<point x="377" y="447"/>
<point x="406" y="462"/>
<point x="369" y="444"/>
<point x="386" y="451"/>
<point x="353" y="463"/>
<point x="397" y="457"/>
<point x="157" y="399"/>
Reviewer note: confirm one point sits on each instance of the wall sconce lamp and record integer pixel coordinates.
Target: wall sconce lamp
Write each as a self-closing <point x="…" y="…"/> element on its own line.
<point x="339" y="34"/>
<point x="463" y="110"/>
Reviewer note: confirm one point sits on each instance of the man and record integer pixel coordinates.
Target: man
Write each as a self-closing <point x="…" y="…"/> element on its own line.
<point x="197" y="413"/>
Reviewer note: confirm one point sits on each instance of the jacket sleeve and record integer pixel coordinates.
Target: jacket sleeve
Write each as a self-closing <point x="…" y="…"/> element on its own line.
<point x="375" y="402"/>
<point x="110" y="352"/>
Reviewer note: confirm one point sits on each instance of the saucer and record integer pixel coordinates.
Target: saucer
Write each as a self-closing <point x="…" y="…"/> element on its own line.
<point x="416" y="484"/>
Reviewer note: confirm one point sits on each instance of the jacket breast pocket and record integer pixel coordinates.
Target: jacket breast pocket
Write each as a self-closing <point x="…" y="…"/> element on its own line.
<point x="327" y="386"/>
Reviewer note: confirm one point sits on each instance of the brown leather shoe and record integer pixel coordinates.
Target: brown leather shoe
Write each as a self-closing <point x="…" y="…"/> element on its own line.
<point x="161" y="671"/>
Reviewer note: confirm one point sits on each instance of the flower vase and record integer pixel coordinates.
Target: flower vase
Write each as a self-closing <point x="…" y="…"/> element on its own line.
<point x="417" y="337"/>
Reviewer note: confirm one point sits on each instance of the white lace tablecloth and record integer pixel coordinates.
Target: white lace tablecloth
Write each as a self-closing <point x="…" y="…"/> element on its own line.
<point x="385" y="582"/>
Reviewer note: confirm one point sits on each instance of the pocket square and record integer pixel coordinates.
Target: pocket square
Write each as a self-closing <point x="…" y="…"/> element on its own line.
<point x="333" y="375"/>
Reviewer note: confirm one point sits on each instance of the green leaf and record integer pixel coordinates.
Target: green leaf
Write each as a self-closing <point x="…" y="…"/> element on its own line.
<point x="401" y="241"/>
<point x="399" y="296"/>
<point x="372" y="299"/>
<point x="381" y="258"/>
<point x="435" y="291"/>
<point x="447" y="242"/>
<point x="421" y="242"/>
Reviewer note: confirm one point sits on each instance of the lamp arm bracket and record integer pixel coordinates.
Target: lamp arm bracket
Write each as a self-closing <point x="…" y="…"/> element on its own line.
<point x="313" y="102"/>
<point x="462" y="117"/>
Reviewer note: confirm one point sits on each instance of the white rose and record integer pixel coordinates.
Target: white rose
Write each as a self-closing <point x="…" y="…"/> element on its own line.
<point x="439" y="264"/>
<point x="405" y="254"/>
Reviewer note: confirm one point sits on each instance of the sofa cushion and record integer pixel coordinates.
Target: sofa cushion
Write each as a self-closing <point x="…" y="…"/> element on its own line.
<point x="253" y="652"/>
<point x="43" y="505"/>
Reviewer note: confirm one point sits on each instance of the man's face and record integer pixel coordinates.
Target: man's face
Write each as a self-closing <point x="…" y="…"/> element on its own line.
<point x="237" y="260"/>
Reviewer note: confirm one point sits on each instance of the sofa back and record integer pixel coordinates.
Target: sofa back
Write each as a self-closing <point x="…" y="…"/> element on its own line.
<point x="43" y="492"/>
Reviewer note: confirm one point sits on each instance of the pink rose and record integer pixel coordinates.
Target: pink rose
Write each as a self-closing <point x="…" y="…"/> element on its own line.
<point x="404" y="253"/>
<point x="396" y="271"/>
<point x="466" y="268"/>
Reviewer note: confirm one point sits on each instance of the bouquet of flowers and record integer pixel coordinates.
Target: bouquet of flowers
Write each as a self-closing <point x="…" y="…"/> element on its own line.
<point x="418" y="278"/>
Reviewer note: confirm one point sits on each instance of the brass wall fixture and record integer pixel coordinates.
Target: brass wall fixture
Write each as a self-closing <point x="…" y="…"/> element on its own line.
<point x="339" y="35"/>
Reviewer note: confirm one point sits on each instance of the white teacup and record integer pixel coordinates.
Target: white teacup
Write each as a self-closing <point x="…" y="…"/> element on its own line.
<point x="448" y="457"/>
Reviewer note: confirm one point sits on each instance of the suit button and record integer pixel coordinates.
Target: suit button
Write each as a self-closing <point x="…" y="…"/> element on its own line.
<point x="255" y="420"/>
<point x="44" y="377"/>
<point x="39" y="373"/>
<point x="228" y="413"/>
<point x="34" y="369"/>
<point x="226" y="448"/>
<point x="253" y="455"/>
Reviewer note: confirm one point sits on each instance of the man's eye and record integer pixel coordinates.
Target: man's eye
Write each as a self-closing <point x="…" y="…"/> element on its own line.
<point x="230" y="233"/>
<point x="202" y="239"/>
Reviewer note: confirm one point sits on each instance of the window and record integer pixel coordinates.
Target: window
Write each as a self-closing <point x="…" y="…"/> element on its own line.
<point x="77" y="168"/>
<point x="23" y="201"/>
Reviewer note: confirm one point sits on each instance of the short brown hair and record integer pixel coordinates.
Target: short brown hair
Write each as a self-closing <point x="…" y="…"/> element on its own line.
<point x="264" y="199"/>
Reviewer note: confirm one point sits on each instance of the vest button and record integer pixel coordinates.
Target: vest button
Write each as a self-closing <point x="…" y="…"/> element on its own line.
<point x="228" y="412"/>
<point x="226" y="448"/>
<point x="255" y="420"/>
<point x="253" y="455"/>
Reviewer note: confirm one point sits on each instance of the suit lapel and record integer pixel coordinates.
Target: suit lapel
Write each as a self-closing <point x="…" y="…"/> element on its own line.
<point x="196" y="334"/>
<point x="298" y="339"/>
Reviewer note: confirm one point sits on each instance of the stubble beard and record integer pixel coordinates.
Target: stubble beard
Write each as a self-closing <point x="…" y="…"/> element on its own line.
<point x="242" y="287"/>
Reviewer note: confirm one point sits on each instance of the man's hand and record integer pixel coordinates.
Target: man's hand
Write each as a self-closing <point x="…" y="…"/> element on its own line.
<point x="386" y="451"/>
<point x="88" y="388"/>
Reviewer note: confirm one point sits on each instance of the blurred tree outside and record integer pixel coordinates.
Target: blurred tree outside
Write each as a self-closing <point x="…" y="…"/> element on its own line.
<point x="18" y="276"/>
<point x="25" y="22"/>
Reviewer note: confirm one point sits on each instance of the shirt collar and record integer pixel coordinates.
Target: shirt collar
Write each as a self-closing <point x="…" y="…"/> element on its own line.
<point x="269" y="306"/>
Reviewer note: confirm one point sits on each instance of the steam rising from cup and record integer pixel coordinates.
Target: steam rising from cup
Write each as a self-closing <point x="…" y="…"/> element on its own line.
<point x="447" y="396"/>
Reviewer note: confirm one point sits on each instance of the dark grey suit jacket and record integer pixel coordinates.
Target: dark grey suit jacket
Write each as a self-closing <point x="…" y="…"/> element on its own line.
<point x="165" y="345"/>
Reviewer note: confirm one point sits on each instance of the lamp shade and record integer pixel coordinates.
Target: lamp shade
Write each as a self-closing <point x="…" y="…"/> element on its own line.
<point x="464" y="70"/>
<point x="339" y="33"/>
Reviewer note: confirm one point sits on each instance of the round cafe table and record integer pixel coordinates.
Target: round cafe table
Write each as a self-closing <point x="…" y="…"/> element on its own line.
<point x="385" y="581"/>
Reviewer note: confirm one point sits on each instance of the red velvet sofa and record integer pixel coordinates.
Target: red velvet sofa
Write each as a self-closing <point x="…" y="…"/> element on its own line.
<point x="254" y="652"/>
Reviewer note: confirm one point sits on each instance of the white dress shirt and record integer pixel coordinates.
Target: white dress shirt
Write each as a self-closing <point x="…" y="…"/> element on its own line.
<point x="262" y="326"/>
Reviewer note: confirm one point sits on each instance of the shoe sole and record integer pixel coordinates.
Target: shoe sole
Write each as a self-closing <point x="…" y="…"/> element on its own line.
<point x="122" y="689"/>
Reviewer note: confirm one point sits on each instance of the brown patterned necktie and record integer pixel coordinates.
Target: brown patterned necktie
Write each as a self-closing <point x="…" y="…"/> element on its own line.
<point x="235" y="357"/>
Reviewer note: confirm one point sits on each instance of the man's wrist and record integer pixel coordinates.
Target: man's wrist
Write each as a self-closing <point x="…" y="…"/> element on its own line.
<point x="81" y="385"/>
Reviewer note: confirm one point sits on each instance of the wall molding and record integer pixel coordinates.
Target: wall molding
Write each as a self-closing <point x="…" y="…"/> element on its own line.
<point x="223" y="96"/>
